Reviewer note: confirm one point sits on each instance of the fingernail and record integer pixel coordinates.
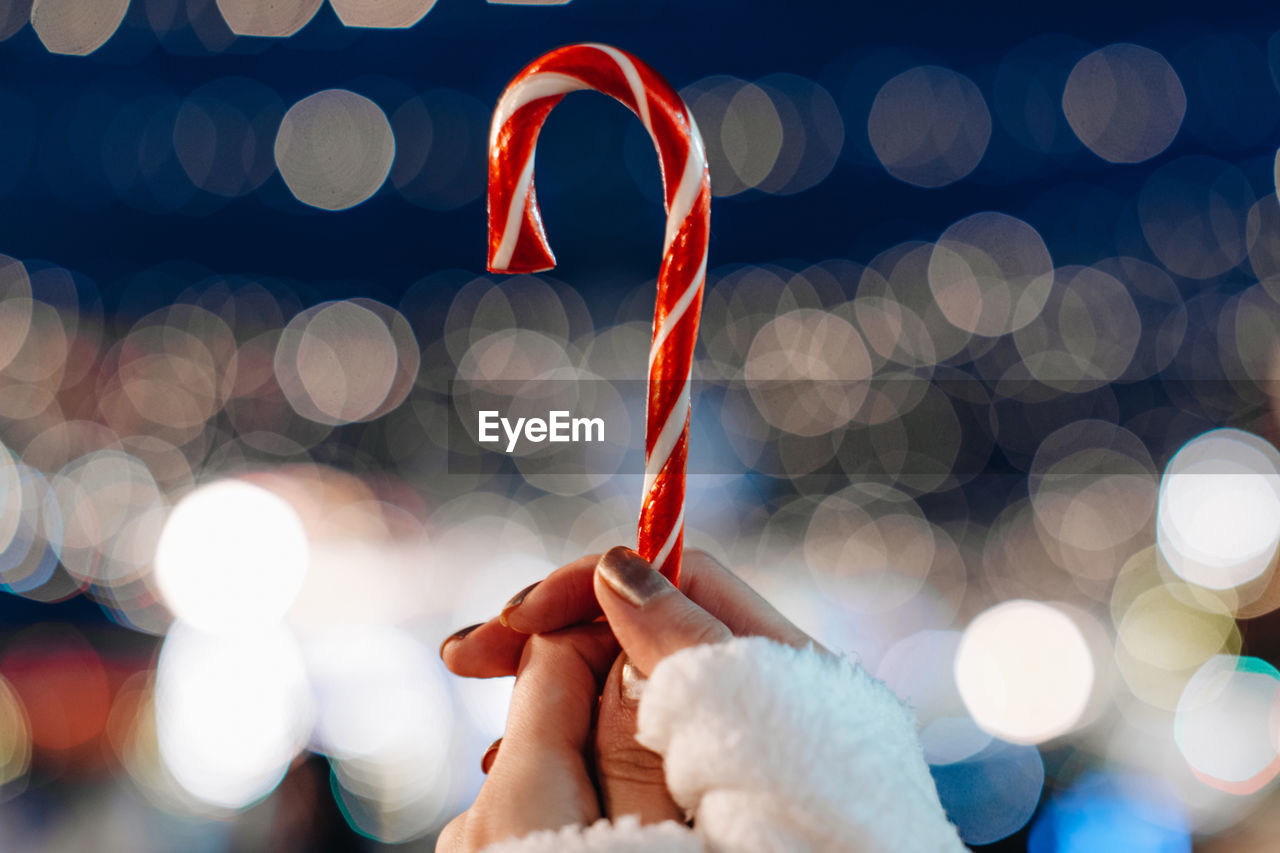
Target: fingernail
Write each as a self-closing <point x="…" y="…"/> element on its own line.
<point x="458" y="635"/>
<point x="631" y="683"/>
<point x="516" y="601"/>
<point x="486" y="760"/>
<point x="630" y="576"/>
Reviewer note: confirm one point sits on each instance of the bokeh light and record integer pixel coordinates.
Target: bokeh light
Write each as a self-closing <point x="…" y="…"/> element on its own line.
<point x="1025" y="671"/>
<point x="223" y="135"/>
<point x="14" y="15"/>
<point x="76" y="27"/>
<point x="1228" y="723"/>
<point x="15" y="308"/>
<point x="990" y="273"/>
<point x="1194" y="214"/>
<point x="1219" y="514"/>
<point x="381" y="14"/>
<point x="1112" y="812"/>
<point x="231" y="712"/>
<point x="334" y="149"/>
<point x="1124" y="102"/>
<point x="204" y="574"/>
<point x="275" y="20"/>
<point x="929" y="126"/>
<point x="346" y="361"/>
<point x="992" y="794"/>
<point x="15" y="742"/>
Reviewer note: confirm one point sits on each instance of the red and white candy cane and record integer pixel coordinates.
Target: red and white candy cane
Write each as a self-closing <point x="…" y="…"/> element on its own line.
<point x="518" y="244"/>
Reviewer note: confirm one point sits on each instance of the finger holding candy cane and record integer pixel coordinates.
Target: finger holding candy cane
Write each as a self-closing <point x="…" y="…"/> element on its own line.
<point x="518" y="244"/>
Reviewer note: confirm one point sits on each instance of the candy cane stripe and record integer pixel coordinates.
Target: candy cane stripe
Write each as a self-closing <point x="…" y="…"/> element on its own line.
<point x="633" y="80"/>
<point x="677" y="311"/>
<point x="518" y="243"/>
<point x="511" y="231"/>
<point x="676" y="530"/>
<point x="667" y="438"/>
<point x="535" y="88"/>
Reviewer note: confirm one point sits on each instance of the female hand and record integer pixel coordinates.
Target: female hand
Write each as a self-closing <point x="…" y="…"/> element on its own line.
<point x="539" y="779"/>
<point x="650" y="619"/>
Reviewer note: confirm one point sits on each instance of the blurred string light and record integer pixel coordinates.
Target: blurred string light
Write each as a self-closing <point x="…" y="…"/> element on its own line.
<point x="1125" y="102"/>
<point x="385" y="14"/>
<point x="1219" y="515"/>
<point x="1026" y="99"/>
<point x="1227" y="720"/>
<point x="1104" y="811"/>
<point x="993" y="793"/>
<point x="29" y="562"/>
<point x="383" y="718"/>
<point x="189" y="26"/>
<point x="920" y="669"/>
<point x="275" y="20"/>
<point x="781" y="134"/>
<point x="929" y="126"/>
<point x="1165" y="631"/>
<point x="1194" y="213"/>
<point x="223" y="584"/>
<point x="340" y="362"/>
<point x="990" y="274"/>
<point x="1086" y="335"/>
<point x="63" y="690"/>
<point x="1025" y="671"/>
<point x="76" y="27"/>
<point x="15" y="742"/>
<point x="15" y="308"/>
<point x="231" y="711"/>
<point x="334" y="149"/>
<point x="1093" y="494"/>
<point x="436" y="135"/>
<point x="14" y="15"/>
<point x="223" y="135"/>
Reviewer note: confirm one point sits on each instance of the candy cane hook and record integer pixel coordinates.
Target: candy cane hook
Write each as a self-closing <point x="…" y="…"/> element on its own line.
<point x="518" y="243"/>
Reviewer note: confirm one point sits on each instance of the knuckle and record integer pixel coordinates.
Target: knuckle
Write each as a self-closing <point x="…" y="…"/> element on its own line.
<point x="630" y="763"/>
<point x="696" y="627"/>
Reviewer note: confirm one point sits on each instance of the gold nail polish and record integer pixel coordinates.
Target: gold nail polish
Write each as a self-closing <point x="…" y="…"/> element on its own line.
<point x="458" y="635"/>
<point x="630" y="576"/>
<point x="490" y="755"/>
<point x="515" y="601"/>
<point x="631" y="683"/>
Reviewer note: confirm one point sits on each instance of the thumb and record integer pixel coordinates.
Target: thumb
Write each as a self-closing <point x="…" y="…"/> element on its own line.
<point x="650" y="617"/>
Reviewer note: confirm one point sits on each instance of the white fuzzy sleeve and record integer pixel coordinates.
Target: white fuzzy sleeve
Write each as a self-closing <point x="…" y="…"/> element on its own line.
<point x="780" y="749"/>
<point x="624" y="835"/>
<point x="774" y="750"/>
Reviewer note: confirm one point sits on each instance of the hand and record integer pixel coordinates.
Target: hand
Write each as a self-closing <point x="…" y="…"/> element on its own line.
<point x="651" y="619"/>
<point x="539" y="778"/>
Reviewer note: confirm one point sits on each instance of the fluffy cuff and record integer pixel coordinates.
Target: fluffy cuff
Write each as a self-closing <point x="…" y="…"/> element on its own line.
<point x="624" y="835"/>
<point x="781" y="749"/>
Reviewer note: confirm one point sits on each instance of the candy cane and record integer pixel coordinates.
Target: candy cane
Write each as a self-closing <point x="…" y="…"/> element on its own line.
<point x="518" y="243"/>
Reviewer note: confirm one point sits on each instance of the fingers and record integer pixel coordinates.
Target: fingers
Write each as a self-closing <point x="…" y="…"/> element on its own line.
<point x="563" y="598"/>
<point x="649" y="616"/>
<point x="730" y="599"/>
<point x="487" y="650"/>
<point x="629" y="776"/>
<point x="451" y="838"/>
<point x="492" y="649"/>
<point x="538" y="778"/>
<point x="567" y="597"/>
